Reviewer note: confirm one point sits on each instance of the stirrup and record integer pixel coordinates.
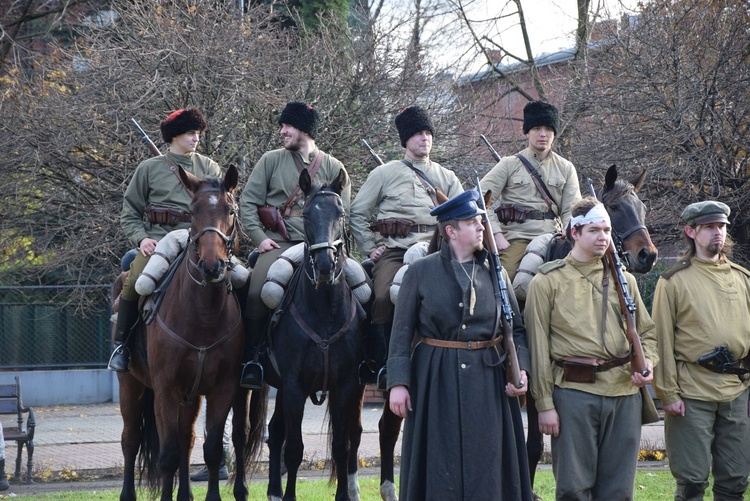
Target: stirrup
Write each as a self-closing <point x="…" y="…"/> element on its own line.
<point x="366" y="375"/>
<point x="383" y="378"/>
<point x="252" y="376"/>
<point x="119" y="360"/>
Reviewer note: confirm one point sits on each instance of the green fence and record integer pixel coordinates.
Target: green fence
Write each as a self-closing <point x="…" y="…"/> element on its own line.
<point x="54" y="327"/>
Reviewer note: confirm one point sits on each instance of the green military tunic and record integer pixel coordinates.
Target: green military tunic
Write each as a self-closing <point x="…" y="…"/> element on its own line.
<point x="696" y="309"/>
<point x="511" y="182"/>
<point x="154" y="183"/>
<point x="394" y="190"/>
<point x="273" y="180"/>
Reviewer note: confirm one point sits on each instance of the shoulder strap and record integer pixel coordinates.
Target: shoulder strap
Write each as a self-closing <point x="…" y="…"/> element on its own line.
<point x="286" y="207"/>
<point x="174" y="171"/>
<point x="543" y="191"/>
<point x="681" y="265"/>
<point x="429" y="186"/>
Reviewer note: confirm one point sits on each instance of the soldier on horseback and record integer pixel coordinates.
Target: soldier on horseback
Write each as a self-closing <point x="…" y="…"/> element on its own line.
<point x="392" y="212"/>
<point x="271" y="211"/>
<point x="155" y="203"/>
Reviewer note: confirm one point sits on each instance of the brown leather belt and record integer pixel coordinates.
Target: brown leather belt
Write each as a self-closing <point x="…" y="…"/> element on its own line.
<point x="461" y="345"/>
<point x="537" y="214"/>
<point x="422" y="228"/>
<point x="601" y="365"/>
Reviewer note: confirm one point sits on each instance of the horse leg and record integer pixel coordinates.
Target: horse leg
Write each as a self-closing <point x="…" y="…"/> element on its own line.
<point x="131" y="406"/>
<point x="217" y="410"/>
<point x="345" y="409"/>
<point x="239" y="429"/>
<point x="276" y="437"/>
<point x="389" y="427"/>
<point x="167" y="408"/>
<point x="294" y="409"/>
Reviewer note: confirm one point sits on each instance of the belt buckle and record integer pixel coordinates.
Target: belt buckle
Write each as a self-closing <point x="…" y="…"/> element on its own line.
<point x="469" y="345"/>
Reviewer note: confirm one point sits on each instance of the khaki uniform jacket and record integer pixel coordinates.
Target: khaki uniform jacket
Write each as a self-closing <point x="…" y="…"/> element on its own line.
<point x="697" y="309"/>
<point x="563" y="318"/>
<point x="154" y="183"/>
<point x="272" y="181"/>
<point x="511" y="182"/>
<point x="394" y="190"/>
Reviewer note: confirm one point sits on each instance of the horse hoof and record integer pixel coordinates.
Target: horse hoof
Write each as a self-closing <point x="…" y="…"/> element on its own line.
<point x="388" y="491"/>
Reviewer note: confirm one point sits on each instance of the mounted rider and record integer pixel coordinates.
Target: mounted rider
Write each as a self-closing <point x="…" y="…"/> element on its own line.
<point x="392" y="212"/>
<point x="271" y="208"/>
<point x="155" y="203"/>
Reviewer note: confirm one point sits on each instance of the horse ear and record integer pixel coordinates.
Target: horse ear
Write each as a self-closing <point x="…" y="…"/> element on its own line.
<point x="339" y="183"/>
<point x="637" y="182"/>
<point x="305" y="182"/>
<point x="231" y="178"/>
<point x="487" y="198"/>
<point x="190" y="181"/>
<point x="610" y="178"/>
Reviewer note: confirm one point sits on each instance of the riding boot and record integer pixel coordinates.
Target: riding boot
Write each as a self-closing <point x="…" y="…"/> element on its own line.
<point x="202" y="476"/>
<point x="376" y="353"/>
<point x="127" y="317"/>
<point x="4" y="485"/>
<point x="384" y="332"/>
<point x="255" y="337"/>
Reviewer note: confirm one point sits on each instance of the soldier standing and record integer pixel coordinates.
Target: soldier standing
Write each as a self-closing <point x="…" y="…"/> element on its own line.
<point x="702" y="314"/>
<point x="391" y="212"/>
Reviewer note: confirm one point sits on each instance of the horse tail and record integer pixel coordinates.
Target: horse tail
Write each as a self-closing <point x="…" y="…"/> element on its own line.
<point x="257" y="412"/>
<point x="148" y="455"/>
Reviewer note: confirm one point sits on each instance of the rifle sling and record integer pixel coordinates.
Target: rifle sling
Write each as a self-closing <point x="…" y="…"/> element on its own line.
<point x="429" y="186"/>
<point x="296" y="195"/>
<point x="174" y="171"/>
<point x="537" y="178"/>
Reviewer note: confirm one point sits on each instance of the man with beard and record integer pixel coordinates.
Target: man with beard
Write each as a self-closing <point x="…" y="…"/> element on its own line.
<point x="702" y="314"/>
<point x="273" y="184"/>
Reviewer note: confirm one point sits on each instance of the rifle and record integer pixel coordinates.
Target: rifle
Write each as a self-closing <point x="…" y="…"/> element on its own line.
<point x="372" y="152"/>
<point x="501" y="296"/>
<point x="151" y="146"/>
<point x="494" y="152"/>
<point x="637" y="358"/>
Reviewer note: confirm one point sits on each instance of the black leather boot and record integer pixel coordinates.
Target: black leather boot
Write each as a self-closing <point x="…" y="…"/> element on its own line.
<point x="383" y="332"/>
<point x="202" y="476"/>
<point x="255" y="337"/>
<point x="4" y="485"/>
<point x="126" y="320"/>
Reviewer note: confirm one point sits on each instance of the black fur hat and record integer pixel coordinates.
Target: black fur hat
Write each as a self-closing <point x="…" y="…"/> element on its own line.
<point x="302" y="116"/>
<point x="538" y="113"/>
<point x="412" y="120"/>
<point x="180" y="122"/>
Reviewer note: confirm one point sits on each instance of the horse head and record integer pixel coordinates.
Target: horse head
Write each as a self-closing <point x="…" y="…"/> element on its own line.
<point x="628" y="215"/>
<point x="213" y="234"/>
<point x="325" y="225"/>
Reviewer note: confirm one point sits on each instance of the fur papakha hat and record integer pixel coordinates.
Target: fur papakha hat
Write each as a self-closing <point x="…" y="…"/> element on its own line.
<point x="302" y="116"/>
<point x="180" y="122"/>
<point x="412" y="120"/>
<point x="538" y="113"/>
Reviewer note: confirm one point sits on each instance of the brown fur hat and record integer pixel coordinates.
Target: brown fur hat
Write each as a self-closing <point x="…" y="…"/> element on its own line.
<point x="180" y="122"/>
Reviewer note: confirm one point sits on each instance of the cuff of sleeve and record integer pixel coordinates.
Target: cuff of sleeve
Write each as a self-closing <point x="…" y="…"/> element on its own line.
<point x="545" y="404"/>
<point x="399" y="372"/>
<point x="257" y="236"/>
<point x="139" y="238"/>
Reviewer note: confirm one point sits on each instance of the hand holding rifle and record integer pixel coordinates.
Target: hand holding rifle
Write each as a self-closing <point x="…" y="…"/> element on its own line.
<point x="638" y="365"/>
<point x="505" y="317"/>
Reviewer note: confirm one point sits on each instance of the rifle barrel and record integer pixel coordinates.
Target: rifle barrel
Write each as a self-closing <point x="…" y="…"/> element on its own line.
<point x="150" y="144"/>
<point x="494" y="152"/>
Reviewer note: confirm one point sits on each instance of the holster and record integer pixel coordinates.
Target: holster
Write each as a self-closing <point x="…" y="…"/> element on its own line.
<point x="272" y="220"/>
<point x="579" y="369"/>
<point x="511" y="213"/>
<point x="393" y="227"/>
<point x="166" y="216"/>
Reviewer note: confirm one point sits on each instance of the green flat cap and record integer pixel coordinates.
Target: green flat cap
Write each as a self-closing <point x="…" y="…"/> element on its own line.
<point x="704" y="212"/>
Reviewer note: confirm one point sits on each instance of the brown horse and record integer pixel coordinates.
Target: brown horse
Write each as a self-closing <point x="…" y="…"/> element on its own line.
<point x="193" y="348"/>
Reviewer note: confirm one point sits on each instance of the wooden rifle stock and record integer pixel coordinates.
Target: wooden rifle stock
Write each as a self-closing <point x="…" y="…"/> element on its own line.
<point x="494" y="152"/>
<point x="637" y="358"/>
<point x="505" y="316"/>
<point x="150" y="144"/>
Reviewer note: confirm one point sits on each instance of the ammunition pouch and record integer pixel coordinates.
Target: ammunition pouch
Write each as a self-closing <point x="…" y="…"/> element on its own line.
<point x="272" y="220"/>
<point x="584" y="369"/>
<point x="511" y="213"/>
<point x="721" y="361"/>
<point x="166" y="216"/>
<point x="393" y="227"/>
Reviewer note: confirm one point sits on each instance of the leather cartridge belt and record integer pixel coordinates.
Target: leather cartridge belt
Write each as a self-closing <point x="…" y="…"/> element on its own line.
<point x="167" y="216"/>
<point x="422" y="228"/>
<point x="600" y="364"/>
<point x="461" y="345"/>
<point x="537" y="214"/>
<point x="400" y="227"/>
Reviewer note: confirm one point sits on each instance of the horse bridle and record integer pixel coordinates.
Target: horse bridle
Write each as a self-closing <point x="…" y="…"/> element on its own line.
<point x="336" y="246"/>
<point x="229" y="240"/>
<point x="619" y="238"/>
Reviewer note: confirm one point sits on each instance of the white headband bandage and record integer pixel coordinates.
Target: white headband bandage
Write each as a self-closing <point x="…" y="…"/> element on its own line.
<point x="597" y="214"/>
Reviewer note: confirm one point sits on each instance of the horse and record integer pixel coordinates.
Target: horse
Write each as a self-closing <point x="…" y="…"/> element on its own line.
<point x="637" y="251"/>
<point x="192" y="349"/>
<point x="314" y="349"/>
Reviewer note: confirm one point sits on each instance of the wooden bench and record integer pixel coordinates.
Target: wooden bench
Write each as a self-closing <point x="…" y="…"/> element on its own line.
<point x="11" y="403"/>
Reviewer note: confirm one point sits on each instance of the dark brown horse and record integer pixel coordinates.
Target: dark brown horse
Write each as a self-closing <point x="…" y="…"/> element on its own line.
<point x="316" y="347"/>
<point x="192" y="348"/>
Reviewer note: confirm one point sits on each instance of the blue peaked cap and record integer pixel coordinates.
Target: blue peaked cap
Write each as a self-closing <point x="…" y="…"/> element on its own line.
<point x="462" y="206"/>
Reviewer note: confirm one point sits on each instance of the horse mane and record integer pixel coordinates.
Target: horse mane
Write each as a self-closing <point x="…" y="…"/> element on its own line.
<point x="620" y="189"/>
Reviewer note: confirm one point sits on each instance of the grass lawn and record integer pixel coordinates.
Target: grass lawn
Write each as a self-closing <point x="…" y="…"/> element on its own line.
<point x="656" y="485"/>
